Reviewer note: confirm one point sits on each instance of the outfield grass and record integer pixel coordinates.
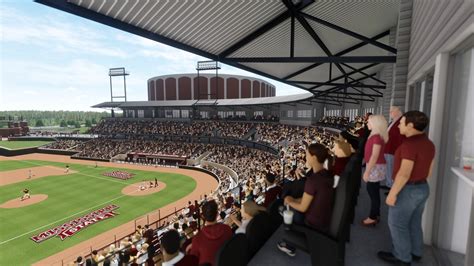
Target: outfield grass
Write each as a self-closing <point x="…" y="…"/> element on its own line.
<point x="15" y="145"/>
<point x="75" y="195"/>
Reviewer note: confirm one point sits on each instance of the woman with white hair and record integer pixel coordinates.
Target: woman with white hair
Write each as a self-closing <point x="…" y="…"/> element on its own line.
<point x="375" y="165"/>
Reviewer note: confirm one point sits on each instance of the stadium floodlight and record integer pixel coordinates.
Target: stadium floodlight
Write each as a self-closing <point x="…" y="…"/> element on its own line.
<point x="203" y="66"/>
<point x="118" y="72"/>
<point x="208" y="65"/>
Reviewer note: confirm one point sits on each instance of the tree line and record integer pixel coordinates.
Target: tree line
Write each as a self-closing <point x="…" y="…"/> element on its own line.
<point x="55" y="118"/>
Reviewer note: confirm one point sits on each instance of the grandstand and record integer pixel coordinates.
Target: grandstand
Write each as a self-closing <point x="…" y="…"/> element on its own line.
<point x="358" y="61"/>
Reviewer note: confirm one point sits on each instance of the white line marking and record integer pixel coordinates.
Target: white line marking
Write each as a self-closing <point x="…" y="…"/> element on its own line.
<point x="34" y="230"/>
<point x="62" y="219"/>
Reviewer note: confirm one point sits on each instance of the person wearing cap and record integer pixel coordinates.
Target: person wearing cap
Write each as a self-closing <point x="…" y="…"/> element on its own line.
<point x="413" y="164"/>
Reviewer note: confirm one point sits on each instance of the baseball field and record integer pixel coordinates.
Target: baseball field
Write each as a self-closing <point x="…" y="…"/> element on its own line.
<point x="71" y="195"/>
<point x="14" y="145"/>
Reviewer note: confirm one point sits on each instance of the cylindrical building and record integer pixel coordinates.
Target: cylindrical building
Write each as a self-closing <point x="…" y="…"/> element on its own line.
<point x="189" y="87"/>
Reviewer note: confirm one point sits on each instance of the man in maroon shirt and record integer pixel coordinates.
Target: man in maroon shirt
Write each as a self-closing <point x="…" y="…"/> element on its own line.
<point x="407" y="197"/>
<point x="395" y="139"/>
<point x="211" y="237"/>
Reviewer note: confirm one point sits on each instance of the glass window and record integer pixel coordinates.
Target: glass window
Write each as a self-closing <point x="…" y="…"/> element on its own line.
<point x="141" y="113"/>
<point x="290" y="113"/>
<point x="185" y="113"/>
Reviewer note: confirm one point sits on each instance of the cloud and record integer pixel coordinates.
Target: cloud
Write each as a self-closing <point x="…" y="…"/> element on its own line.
<point x="54" y="33"/>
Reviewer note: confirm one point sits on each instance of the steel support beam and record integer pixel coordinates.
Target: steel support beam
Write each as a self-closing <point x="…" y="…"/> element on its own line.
<point x="343" y="52"/>
<point x="350" y="33"/>
<point x="316" y="59"/>
<point x="338" y="84"/>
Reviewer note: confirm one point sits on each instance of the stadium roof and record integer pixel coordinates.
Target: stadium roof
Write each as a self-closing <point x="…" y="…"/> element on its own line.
<point x="328" y="48"/>
<point x="306" y="97"/>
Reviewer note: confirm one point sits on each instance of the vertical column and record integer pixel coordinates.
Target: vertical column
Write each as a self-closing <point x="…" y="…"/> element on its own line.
<point x="435" y="134"/>
<point x="225" y="87"/>
<point x="177" y="94"/>
<point x="403" y="48"/>
<point x="192" y="86"/>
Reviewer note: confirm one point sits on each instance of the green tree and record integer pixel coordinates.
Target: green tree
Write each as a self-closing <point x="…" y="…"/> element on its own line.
<point x="77" y="124"/>
<point x="39" y="123"/>
<point x="94" y="122"/>
<point x="63" y="123"/>
<point x="71" y="122"/>
<point x="88" y="123"/>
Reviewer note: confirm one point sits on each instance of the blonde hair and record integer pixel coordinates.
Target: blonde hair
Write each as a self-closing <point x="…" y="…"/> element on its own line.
<point x="379" y="126"/>
<point x="252" y="208"/>
<point x="343" y="146"/>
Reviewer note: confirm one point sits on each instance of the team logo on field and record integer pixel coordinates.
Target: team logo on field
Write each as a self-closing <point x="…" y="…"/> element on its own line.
<point x="72" y="227"/>
<point x="119" y="174"/>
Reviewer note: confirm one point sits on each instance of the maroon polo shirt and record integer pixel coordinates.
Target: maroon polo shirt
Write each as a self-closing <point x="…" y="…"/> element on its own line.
<point x="340" y="164"/>
<point x="369" y="145"/>
<point x="395" y="139"/>
<point x="320" y="186"/>
<point x="271" y="195"/>
<point x="418" y="149"/>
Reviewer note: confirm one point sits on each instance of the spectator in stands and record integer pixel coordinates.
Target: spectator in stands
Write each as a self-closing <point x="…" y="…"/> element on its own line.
<point x="79" y="261"/>
<point x="413" y="165"/>
<point x="375" y="165"/>
<point x="148" y="235"/>
<point x="248" y="211"/>
<point x="211" y="237"/>
<point x="342" y="153"/>
<point x="170" y="244"/>
<point x="273" y="190"/>
<point x="317" y="201"/>
<point x="395" y="139"/>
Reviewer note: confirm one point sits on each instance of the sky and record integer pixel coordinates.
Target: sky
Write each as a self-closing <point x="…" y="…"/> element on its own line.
<point x="52" y="60"/>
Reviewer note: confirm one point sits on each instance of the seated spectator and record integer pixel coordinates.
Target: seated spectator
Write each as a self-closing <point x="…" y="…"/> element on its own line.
<point x="79" y="261"/>
<point x="170" y="248"/>
<point x="317" y="201"/>
<point x="248" y="211"/>
<point x="211" y="237"/>
<point x="273" y="190"/>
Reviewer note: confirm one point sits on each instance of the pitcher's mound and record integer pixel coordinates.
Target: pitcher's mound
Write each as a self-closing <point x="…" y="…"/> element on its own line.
<point x="134" y="189"/>
<point x="17" y="203"/>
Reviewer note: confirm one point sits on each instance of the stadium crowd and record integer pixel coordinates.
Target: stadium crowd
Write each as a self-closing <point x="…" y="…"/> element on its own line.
<point x="63" y="144"/>
<point x="304" y="176"/>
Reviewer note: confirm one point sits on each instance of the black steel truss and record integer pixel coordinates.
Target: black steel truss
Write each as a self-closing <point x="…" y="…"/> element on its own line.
<point x="293" y="13"/>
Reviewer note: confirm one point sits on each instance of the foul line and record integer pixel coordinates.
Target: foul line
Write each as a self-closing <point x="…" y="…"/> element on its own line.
<point x="65" y="218"/>
<point x="62" y="219"/>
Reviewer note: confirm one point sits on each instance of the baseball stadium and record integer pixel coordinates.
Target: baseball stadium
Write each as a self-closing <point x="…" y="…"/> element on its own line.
<point x="371" y="165"/>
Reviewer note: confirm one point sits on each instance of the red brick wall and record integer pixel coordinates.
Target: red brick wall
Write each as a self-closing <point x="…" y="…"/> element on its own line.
<point x="256" y="89"/>
<point x="151" y="90"/>
<point x="170" y="89"/>
<point x="203" y="84"/>
<point x="160" y="95"/>
<point x="184" y="88"/>
<point x="232" y="88"/>
<point x="245" y="85"/>
<point x="220" y="92"/>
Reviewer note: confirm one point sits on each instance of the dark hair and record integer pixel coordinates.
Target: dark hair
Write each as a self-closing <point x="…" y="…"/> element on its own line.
<point x="222" y="214"/>
<point x="209" y="211"/>
<point x="79" y="259"/>
<point x="319" y="150"/>
<point x="419" y="119"/>
<point x="94" y="252"/>
<point x="170" y="241"/>
<point x="176" y="226"/>
<point x="270" y="177"/>
<point x="184" y="226"/>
